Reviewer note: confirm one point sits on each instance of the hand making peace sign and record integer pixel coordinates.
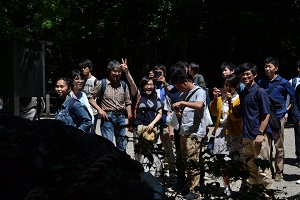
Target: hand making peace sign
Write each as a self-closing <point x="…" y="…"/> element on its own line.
<point x="124" y="65"/>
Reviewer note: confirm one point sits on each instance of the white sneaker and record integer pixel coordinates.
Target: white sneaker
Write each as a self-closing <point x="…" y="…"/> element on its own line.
<point x="227" y="191"/>
<point x="298" y="182"/>
<point x="209" y="176"/>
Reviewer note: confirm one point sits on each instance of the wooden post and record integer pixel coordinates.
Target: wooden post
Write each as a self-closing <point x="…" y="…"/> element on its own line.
<point x="48" y="105"/>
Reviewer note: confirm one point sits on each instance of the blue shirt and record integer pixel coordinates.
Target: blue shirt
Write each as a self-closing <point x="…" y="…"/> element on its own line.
<point x="81" y="119"/>
<point x="241" y="88"/>
<point x="252" y="112"/>
<point x="279" y="93"/>
<point x="161" y="93"/>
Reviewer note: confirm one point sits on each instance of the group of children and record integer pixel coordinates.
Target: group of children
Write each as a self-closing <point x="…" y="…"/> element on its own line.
<point x="241" y="107"/>
<point x="243" y="114"/>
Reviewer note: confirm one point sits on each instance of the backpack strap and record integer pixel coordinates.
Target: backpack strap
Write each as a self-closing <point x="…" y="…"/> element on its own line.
<point x="256" y="101"/>
<point x="71" y="108"/>
<point x="294" y="82"/>
<point x="275" y="84"/>
<point x="95" y="82"/>
<point x="123" y="85"/>
<point x="136" y="106"/>
<point x="188" y="98"/>
<point x="103" y="86"/>
<point x="256" y="94"/>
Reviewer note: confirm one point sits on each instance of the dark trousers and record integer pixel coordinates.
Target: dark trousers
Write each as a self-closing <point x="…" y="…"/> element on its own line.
<point x="297" y="140"/>
<point x="179" y="161"/>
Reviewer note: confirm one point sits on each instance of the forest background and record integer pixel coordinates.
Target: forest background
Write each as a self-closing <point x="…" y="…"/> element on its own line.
<point x="150" y="32"/>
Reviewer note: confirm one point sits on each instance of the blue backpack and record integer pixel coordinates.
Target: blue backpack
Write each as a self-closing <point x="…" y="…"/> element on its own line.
<point x="72" y="111"/>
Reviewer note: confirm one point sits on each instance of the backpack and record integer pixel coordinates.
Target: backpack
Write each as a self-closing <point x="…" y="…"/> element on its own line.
<point x="72" y="111"/>
<point x="274" y="122"/>
<point x="103" y="88"/>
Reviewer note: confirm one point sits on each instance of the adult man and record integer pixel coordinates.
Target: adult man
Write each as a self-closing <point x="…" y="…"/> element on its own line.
<point x="279" y="93"/>
<point x="190" y="109"/>
<point x="115" y="101"/>
<point x="255" y="118"/>
<point x="90" y="82"/>
<point x="161" y="86"/>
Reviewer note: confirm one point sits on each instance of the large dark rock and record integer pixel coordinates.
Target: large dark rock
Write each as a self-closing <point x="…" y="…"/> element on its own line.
<point x="46" y="159"/>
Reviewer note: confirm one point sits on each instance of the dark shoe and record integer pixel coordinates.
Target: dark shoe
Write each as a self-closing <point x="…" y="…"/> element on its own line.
<point x="180" y="186"/>
<point x="244" y="187"/>
<point x="192" y="195"/>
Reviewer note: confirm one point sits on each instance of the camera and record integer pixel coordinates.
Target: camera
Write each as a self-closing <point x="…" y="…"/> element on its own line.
<point x="222" y="90"/>
<point x="157" y="74"/>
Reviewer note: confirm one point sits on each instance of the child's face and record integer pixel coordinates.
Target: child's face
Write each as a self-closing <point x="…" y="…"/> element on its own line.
<point x="229" y="88"/>
<point x="149" y="87"/>
<point x="62" y="89"/>
<point x="248" y="78"/>
<point x="191" y="72"/>
<point x="270" y="70"/>
<point x="226" y="72"/>
<point x="78" y="82"/>
<point x="85" y="70"/>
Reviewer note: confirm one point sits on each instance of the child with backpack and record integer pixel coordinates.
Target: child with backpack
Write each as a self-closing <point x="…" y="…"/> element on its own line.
<point x="76" y="93"/>
<point x="89" y="83"/>
<point x="256" y="131"/>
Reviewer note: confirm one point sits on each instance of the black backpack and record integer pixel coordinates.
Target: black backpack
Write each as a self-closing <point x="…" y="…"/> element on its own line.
<point x="274" y="122"/>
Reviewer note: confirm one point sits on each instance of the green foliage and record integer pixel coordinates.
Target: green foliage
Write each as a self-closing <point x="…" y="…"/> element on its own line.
<point x="151" y="32"/>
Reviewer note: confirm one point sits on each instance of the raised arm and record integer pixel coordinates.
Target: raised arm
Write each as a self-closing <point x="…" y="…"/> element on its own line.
<point x="133" y="87"/>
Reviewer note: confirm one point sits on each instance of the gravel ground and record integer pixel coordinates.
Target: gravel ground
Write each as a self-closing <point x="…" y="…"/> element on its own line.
<point x="288" y="187"/>
<point x="290" y="190"/>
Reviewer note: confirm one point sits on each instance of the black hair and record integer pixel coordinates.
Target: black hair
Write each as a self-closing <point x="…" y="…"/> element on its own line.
<point x="233" y="80"/>
<point x="179" y="76"/>
<point x="195" y="67"/>
<point x="86" y="63"/>
<point x="247" y="67"/>
<point x="74" y="73"/>
<point x="178" y="65"/>
<point x="144" y="82"/>
<point x="183" y="62"/>
<point x="228" y="65"/>
<point x="162" y="67"/>
<point x="298" y="64"/>
<point x="67" y="80"/>
<point x="272" y="60"/>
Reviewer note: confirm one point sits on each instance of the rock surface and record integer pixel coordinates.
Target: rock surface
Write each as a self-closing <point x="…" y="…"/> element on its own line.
<point x="46" y="159"/>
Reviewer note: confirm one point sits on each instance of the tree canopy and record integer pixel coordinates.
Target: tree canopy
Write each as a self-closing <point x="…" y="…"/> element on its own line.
<point x="148" y="32"/>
